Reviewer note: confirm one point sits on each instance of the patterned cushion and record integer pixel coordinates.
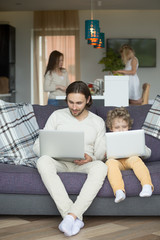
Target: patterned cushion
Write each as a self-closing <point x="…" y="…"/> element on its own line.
<point x="152" y="122"/>
<point x="18" y="131"/>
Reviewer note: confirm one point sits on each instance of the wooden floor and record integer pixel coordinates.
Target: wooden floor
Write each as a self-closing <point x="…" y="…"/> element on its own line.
<point x="96" y="228"/>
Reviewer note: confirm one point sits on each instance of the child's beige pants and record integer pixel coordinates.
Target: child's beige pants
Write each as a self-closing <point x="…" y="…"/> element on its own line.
<point x="135" y="163"/>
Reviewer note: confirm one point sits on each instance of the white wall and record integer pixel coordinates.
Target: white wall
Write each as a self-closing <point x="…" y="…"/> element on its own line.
<point x="23" y="22"/>
<point x="115" y="23"/>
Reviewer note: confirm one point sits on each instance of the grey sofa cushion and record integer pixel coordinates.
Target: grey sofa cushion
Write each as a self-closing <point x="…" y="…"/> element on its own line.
<point x="43" y="112"/>
<point x="138" y="113"/>
<point x="26" y="180"/>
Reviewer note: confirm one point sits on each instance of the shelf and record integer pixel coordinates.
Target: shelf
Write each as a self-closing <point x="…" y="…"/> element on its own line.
<point x="5" y="95"/>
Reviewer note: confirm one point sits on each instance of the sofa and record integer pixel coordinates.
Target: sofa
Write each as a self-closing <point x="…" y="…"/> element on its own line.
<point x="22" y="191"/>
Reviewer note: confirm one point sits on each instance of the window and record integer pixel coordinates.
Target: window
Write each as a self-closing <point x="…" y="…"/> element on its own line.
<point x="55" y="30"/>
<point x="61" y="44"/>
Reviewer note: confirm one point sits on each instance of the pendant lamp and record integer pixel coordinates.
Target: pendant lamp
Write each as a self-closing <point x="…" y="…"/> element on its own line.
<point x="101" y="41"/>
<point x="92" y="29"/>
<point x="93" y="41"/>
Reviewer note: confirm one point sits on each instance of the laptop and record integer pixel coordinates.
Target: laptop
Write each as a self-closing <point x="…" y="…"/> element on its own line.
<point x="125" y="144"/>
<point x="62" y="145"/>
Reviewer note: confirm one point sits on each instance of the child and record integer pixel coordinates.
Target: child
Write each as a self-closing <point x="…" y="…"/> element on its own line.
<point x="119" y="119"/>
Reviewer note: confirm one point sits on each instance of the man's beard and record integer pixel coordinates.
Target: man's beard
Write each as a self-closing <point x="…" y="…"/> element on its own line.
<point x="78" y="113"/>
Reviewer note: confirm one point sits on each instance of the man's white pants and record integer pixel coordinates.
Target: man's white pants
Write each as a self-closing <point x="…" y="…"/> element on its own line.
<point x="96" y="171"/>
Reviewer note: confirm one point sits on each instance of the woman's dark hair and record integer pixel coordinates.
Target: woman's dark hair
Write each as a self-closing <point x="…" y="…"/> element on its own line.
<point x="80" y="87"/>
<point x="53" y="60"/>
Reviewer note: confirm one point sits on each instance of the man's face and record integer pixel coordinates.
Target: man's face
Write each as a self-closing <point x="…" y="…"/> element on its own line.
<point x="119" y="125"/>
<point x="76" y="103"/>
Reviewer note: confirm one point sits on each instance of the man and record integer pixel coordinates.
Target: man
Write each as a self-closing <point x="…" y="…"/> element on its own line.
<point x="76" y="116"/>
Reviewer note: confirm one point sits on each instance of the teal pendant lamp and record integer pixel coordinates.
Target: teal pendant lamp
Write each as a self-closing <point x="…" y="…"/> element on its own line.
<point x="101" y="41"/>
<point x="92" y="29"/>
<point x="94" y="41"/>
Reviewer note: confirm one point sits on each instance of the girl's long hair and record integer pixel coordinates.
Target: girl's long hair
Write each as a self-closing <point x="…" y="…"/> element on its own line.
<point x="53" y="61"/>
<point x="126" y="52"/>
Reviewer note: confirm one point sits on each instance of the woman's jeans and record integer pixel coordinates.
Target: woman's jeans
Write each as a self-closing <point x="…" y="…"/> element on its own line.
<point x="57" y="103"/>
<point x="54" y="102"/>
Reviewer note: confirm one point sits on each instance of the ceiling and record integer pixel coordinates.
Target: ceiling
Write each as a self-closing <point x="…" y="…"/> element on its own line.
<point x="37" y="5"/>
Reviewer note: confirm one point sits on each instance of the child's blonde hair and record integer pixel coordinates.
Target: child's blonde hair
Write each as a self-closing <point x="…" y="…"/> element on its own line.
<point x="120" y="112"/>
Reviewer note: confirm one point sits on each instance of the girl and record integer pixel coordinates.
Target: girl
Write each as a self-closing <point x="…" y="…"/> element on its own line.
<point x="131" y="66"/>
<point x="56" y="77"/>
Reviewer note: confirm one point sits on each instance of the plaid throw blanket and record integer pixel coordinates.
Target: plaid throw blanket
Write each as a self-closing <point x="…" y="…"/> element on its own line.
<point x="152" y="122"/>
<point x="18" y="132"/>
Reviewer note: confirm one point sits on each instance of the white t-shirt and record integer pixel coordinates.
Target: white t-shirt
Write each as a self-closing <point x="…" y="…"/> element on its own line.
<point x="93" y="127"/>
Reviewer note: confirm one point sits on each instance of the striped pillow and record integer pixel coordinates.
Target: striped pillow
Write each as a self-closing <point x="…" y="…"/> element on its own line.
<point x="151" y="124"/>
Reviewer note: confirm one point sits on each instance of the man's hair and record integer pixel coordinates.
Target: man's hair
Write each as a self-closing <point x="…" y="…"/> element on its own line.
<point x="79" y="87"/>
<point x="120" y="112"/>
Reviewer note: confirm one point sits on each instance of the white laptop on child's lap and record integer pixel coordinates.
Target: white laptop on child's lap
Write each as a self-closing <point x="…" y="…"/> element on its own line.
<point x="62" y="145"/>
<point x="125" y="144"/>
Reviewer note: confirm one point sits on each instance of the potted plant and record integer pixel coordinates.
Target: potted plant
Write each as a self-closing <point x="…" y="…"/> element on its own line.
<point x="112" y="61"/>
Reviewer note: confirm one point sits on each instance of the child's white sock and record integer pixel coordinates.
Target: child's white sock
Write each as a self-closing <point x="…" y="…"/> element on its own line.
<point x="66" y="225"/>
<point x="146" y="191"/>
<point x="77" y="226"/>
<point x="120" y="196"/>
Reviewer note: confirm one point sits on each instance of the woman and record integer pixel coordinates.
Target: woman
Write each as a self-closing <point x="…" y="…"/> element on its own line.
<point x="131" y="66"/>
<point x="56" y="78"/>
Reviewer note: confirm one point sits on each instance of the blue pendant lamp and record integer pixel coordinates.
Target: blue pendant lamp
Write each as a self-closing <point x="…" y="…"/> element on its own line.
<point x="94" y="41"/>
<point x="101" y="41"/>
<point x="92" y="29"/>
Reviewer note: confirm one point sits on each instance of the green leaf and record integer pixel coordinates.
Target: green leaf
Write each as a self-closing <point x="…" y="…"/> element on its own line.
<point x="112" y="61"/>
